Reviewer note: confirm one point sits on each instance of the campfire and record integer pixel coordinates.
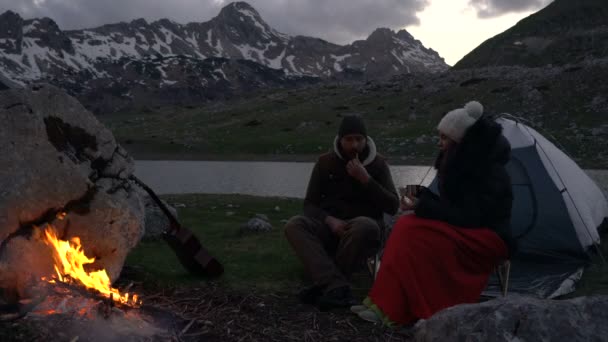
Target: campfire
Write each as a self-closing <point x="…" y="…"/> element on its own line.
<point x="80" y="297"/>
<point x="70" y="268"/>
<point x="57" y="276"/>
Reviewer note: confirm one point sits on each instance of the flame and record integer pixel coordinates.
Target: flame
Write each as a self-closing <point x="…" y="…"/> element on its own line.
<point x="69" y="264"/>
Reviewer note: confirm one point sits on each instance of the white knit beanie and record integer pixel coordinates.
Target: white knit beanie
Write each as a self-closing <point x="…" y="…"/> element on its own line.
<point x="456" y="122"/>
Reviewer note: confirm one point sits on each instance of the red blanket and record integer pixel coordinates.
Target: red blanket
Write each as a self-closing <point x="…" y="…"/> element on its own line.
<point x="430" y="265"/>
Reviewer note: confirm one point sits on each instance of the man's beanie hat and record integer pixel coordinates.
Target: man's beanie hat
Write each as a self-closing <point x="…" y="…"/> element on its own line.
<point x="456" y="122"/>
<point x="352" y="124"/>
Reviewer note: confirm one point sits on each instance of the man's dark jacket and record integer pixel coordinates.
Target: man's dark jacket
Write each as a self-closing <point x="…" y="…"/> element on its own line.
<point x="332" y="191"/>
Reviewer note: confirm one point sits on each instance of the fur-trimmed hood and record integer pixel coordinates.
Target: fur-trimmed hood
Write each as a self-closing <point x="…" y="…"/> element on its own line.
<point x="371" y="150"/>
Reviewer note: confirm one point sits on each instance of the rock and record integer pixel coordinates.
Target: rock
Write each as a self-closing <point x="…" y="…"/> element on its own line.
<point x="420" y="140"/>
<point x="597" y="131"/>
<point x="532" y="95"/>
<point x="259" y="223"/>
<point x="263" y="217"/>
<point x="517" y="318"/>
<point x="598" y="103"/>
<point x="156" y="221"/>
<point x="54" y="156"/>
<point x="305" y="124"/>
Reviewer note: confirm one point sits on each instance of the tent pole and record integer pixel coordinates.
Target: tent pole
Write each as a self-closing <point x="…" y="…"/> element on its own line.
<point x="599" y="251"/>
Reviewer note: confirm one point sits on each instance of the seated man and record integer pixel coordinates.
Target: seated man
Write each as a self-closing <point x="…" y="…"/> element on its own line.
<point x="348" y="191"/>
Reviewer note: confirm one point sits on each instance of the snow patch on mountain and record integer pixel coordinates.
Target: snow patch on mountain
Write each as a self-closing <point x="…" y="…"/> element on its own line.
<point x="293" y="69"/>
<point x="338" y="59"/>
<point x="41" y="51"/>
<point x="277" y="62"/>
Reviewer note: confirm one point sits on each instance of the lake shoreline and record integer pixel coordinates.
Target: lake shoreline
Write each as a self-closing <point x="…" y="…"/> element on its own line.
<point x="294" y="158"/>
<point x="277" y="178"/>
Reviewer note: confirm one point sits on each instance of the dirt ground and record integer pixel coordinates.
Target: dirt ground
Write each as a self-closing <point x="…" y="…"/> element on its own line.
<point x="209" y="312"/>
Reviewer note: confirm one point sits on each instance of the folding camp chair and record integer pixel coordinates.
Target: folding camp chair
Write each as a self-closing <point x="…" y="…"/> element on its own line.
<point x="373" y="263"/>
<point x="503" y="271"/>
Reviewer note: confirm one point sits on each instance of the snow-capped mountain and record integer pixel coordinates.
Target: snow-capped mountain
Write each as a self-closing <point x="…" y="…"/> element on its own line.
<point x="211" y="56"/>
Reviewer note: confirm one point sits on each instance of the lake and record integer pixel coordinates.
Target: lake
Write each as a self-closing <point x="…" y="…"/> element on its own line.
<point x="282" y="179"/>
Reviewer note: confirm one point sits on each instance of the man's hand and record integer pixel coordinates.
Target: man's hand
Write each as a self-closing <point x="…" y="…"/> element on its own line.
<point x="336" y="225"/>
<point x="356" y="170"/>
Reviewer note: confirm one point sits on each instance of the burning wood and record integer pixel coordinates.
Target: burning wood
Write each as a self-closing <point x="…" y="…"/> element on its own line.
<point x="70" y="267"/>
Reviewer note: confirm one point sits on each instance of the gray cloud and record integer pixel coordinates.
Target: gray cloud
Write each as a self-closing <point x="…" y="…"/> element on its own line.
<point x="338" y="21"/>
<point x="495" y="8"/>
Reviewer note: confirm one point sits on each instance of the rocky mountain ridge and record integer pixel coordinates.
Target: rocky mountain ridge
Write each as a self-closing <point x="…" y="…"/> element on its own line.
<point x="117" y="65"/>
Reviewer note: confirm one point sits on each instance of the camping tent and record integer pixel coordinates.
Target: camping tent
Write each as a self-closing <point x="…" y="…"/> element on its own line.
<point x="557" y="210"/>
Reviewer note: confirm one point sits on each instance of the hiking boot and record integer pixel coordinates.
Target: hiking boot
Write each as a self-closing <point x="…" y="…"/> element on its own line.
<point x="358" y="308"/>
<point x="340" y="297"/>
<point x="370" y="316"/>
<point x="310" y="295"/>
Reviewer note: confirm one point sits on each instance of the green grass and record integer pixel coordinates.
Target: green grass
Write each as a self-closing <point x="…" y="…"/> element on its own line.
<point x="263" y="261"/>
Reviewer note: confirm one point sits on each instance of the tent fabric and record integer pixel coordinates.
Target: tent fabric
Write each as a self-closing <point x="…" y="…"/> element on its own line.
<point x="557" y="209"/>
<point x="585" y="201"/>
<point x="540" y="221"/>
<point x="538" y="280"/>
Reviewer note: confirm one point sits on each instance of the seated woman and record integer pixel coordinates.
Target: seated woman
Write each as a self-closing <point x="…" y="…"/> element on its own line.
<point x="444" y="254"/>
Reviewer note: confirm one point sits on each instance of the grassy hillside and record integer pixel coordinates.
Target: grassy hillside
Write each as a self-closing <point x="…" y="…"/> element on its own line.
<point x="563" y="32"/>
<point x="286" y="125"/>
<point x="569" y="104"/>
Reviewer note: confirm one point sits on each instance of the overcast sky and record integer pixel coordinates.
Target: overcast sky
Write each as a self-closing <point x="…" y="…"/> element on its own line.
<point x="451" y="27"/>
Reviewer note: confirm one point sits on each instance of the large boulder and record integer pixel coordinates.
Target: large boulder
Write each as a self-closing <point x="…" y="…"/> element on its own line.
<point x="56" y="156"/>
<point x="517" y="318"/>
